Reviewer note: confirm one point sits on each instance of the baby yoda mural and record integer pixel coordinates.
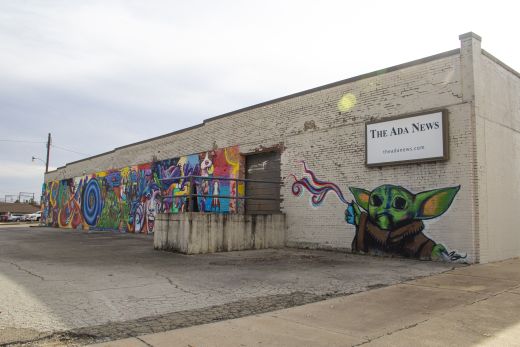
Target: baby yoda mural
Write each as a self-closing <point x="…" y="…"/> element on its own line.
<point x="388" y="219"/>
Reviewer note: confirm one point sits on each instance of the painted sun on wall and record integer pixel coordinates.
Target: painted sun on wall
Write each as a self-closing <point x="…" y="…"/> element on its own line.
<point x="387" y="219"/>
<point x="128" y="199"/>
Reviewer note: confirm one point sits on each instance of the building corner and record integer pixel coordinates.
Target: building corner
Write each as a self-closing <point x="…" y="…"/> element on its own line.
<point x="470" y="52"/>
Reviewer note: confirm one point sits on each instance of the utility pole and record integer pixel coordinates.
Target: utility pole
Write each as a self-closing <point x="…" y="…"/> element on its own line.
<point x="48" y="151"/>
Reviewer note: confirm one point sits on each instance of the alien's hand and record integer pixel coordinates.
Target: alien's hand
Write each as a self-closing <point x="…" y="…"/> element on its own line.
<point x="352" y="213"/>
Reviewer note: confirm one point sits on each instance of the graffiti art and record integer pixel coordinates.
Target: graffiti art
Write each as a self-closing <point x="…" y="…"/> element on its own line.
<point x="129" y="198"/>
<point x="92" y="204"/>
<point x="388" y="219"/>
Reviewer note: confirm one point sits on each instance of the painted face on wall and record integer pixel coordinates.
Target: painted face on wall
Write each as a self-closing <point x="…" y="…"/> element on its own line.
<point x="390" y="207"/>
<point x="206" y="165"/>
<point x="152" y="207"/>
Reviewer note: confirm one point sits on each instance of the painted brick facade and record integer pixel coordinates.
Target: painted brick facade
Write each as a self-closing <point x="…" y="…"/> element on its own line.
<point x="309" y="126"/>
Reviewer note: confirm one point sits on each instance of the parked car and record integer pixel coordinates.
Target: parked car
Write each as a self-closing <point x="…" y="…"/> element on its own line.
<point x="34" y="217"/>
<point x="14" y="217"/>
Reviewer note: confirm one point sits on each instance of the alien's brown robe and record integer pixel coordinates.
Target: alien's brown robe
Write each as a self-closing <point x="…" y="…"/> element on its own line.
<point x="408" y="240"/>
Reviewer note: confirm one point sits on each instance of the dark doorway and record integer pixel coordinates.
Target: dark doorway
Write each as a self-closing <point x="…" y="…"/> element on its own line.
<point x="263" y="167"/>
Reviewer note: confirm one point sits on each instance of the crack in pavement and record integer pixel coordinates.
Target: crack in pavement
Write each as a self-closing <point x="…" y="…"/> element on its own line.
<point x="449" y="272"/>
<point x="143" y="341"/>
<point x="165" y="277"/>
<point x="168" y="279"/>
<point x="68" y="337"/>
<point x="391" y="332"/>
<point x="26" y="271"/>
<point x="457" y="289"/>
<point x="441" y="288"/>
<point x="489" y="296"/>
<point x="176" y="285"/>
<point x="113" y="288"/>
<point x="184" y="290"/>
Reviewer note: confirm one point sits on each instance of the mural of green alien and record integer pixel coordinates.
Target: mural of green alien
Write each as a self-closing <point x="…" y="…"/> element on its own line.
<point x="388" y="219"/>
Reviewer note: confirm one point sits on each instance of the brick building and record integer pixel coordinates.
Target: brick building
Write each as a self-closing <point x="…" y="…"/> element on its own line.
<point x="460" y="205"/>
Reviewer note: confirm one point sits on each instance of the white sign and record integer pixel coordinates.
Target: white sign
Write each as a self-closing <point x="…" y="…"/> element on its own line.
<point x="415" y="138"/>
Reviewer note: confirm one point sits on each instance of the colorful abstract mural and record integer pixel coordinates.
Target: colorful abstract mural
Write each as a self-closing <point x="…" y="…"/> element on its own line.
<point x="388" y="219"/>
<point x="129" y="198"/>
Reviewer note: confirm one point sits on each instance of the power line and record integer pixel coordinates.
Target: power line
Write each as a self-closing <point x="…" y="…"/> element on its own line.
<point x="52" y="145"/>
<point x="69" y="150"/>
<point x="25" y="141"/>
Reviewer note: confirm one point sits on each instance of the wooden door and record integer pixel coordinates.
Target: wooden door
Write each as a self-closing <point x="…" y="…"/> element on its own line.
<point x="263" y="167"/>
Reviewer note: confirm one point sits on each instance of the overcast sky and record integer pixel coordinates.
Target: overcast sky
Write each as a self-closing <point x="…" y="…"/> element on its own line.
<point x="102" y="74"/>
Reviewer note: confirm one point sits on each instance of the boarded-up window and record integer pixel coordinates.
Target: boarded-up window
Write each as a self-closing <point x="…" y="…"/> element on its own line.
<point x="263" y="167"/>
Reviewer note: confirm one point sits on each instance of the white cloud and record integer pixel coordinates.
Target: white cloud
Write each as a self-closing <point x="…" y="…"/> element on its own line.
<point x="9" y="169"/>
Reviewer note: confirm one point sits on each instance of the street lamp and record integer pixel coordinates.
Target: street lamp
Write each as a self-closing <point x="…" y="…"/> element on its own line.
<point x="35" y="158"/>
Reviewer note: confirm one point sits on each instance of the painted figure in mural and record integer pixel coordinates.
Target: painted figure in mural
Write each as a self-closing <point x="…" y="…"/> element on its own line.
<point x="49" y="202"/>
<point x="232" y="157"/>
<point x="114" y="214"/>
<point x="152" y="206"/>
<point x="190" y="167"/>
<point x="391" y="220"/>
<point x="148" y="203"/>
<point x="131" y="194"/>
<point x="388" y="219"/>
<point x="70" y="211"/>
<point x="218" y="163"/>
<point x="206" y="170"/>
<point x="215" y="202"/>
<point x="168" y="172"/>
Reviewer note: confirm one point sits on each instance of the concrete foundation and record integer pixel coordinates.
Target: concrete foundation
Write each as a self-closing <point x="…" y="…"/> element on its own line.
<point x="193" y="233"/>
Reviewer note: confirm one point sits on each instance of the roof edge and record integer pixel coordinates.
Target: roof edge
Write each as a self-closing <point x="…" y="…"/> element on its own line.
<point x="500" y="62"/>
<point x="335" y="84"/>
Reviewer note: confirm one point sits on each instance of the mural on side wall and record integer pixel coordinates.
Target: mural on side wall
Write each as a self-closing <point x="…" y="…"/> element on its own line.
<point x="128" y="199"/>
<point x="219" y="163"/>
<point x="388" y="219"/>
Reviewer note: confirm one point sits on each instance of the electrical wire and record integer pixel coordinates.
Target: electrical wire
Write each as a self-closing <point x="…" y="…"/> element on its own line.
<point x="52" y="145"/>
<point x="25" y="141"/>
<point x="68" y="150"/>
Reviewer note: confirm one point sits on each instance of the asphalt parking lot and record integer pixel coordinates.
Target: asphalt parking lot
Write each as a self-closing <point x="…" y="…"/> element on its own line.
<point x="72" y="287"/>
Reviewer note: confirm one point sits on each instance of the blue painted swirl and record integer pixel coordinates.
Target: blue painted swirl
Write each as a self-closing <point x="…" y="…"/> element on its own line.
<point x="91" y="202"/>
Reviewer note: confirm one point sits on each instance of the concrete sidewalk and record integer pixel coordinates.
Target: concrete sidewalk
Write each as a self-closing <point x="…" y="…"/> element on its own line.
<point x="469" y="306"/>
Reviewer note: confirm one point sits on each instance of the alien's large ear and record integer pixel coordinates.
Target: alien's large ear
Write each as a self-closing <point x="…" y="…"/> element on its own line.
<point x="361" y="197"/>
<point x="433" y="203"/>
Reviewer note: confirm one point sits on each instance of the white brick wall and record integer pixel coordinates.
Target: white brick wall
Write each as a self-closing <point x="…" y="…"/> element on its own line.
<point x="335" y="149"/>
<point x="336" y="153"/>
